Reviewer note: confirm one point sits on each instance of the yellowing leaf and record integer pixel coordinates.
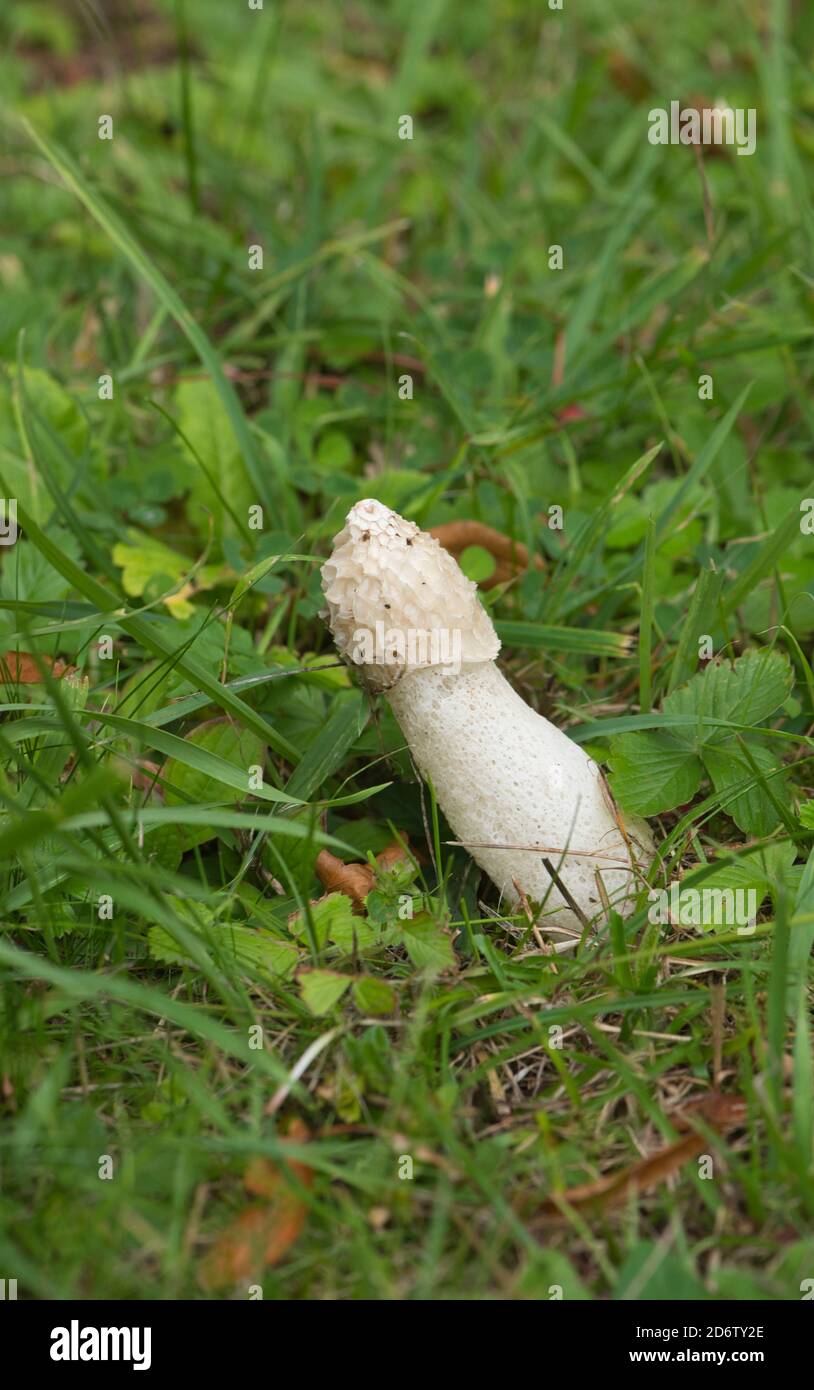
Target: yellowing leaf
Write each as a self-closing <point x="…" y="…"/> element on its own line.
<point x="145" y="561"/>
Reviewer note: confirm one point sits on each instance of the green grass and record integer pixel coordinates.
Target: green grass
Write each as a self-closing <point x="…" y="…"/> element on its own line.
<point x="158" y="903"/>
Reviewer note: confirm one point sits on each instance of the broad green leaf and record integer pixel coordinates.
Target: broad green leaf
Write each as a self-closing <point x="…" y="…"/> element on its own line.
<point x="428" y="946"/>
<point x="759" y="870"/>
<point x="335" y="451"/>
<point x="744" y="692"/>
<point x="333" y="913"/>
<point x="322" y="989"/>
<point x="201" y="753"/>
<point x="221" y="483"/>
<point x="59" y="412"/>
<point x="149" y="564"/>
<point x="353" y="932"/>
<point x="151" y="636"/>
<point x="374" y="996"/>
<point x="653" y="772"/>
<point x="750" y="809"/>
<point x="328" y="750"/>
<point x="476" y="562"/>
<point x="249" y="947"/>
<point x="27" y="576"/>
<point x="196" y="785"/>
<point x="334" y="920"/>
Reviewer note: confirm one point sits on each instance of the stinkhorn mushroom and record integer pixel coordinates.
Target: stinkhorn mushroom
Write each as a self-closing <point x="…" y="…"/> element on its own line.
<point x="516" y="791"/>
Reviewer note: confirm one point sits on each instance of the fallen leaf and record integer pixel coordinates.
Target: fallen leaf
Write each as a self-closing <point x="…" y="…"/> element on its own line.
<point x="21" y="667"/>
<point x="356" y="880"/>
<point x="511" y="557"/>
<point x="628" y="78"/>
<point x="394" y="854"/>
<point x="719" y="1112"/>
<point x="263" y="1232"/>
<point x="571" y="412"/>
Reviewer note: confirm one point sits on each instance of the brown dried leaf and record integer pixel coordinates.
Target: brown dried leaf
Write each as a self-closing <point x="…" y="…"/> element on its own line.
<point x="510" y="556"/>
<point x="22" y="668"/>
<point x="627" y="77"/>
<point x="394" y="854"/>
<point x="721" y="1113"/>
<point x="356" y="880"/>
<point x="264" y="1231"/>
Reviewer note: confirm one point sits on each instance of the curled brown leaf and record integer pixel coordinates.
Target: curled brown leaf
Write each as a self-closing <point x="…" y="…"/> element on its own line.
<point x="264" y="1231"/>
<point x="511" y="558"/>
<point x="356" y="880"/>
<point x="721" y="1113"/>
<point x="22" y="668"/>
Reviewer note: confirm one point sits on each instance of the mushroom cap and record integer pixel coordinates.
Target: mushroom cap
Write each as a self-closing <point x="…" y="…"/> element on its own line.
<point x="398" y="602"/>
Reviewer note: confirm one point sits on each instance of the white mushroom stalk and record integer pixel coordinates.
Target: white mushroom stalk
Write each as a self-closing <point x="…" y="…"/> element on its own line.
<point x="515" y="789"/>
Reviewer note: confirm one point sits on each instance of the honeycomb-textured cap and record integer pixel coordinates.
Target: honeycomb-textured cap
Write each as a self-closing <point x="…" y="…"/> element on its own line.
<point x="398" y="602"/>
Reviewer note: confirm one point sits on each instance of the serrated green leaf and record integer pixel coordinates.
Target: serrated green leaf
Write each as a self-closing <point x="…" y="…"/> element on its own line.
<point x="222" y="480"/>
<point x="653" y="772"/>
<point x="331" y="914"/>
<point x="334" y="921"/>
<point x="254" y="949"/>
<point x="759" y="870"/>
<point x="744" y="692"/>
<point x="750" y="809"/>
<point x="428" y="946"/>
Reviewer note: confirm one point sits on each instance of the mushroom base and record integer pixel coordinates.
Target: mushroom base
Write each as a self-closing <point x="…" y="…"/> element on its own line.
<point x="516" y="789"/>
